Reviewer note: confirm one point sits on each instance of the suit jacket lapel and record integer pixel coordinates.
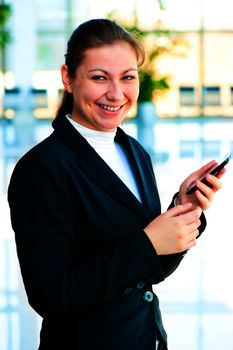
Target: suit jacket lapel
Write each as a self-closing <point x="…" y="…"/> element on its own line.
<point x="96" y="168"/>
<point x="143" y="171"/>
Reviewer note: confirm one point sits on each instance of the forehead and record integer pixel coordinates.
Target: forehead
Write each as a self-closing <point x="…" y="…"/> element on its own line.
<point x="118" y="54"/>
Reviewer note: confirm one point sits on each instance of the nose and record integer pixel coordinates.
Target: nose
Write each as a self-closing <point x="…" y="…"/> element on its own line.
<point x="115" y="91"/>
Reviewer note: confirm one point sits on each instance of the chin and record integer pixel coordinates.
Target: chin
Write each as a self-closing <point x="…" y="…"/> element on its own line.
<point x="110" y="125"/>
<point x="108" y="128"/>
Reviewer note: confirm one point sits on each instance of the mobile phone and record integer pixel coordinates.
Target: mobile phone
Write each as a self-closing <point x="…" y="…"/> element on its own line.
<point x="214" y="170"/>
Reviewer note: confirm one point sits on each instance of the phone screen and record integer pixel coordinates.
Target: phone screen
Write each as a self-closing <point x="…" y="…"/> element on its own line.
<point x="214" y="170"/>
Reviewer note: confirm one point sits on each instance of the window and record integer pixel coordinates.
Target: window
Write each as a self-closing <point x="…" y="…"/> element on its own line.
<point x="231" y="95"/>
<point x="187" y="95"/>
<point x="50" y="51"/>
<point x="211" y="95"/>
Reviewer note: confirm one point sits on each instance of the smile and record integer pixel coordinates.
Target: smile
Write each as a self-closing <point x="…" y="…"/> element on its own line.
<point x="109" y="108"/>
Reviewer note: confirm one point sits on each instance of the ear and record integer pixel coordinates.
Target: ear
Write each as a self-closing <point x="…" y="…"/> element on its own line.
<point x="66" y="79"/>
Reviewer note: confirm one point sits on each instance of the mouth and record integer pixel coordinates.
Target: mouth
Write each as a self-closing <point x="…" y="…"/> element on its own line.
<point x="110" y="108"/>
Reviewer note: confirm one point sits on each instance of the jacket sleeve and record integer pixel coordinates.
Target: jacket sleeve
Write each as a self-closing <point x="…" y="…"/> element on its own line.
<point x="44" y="221"/>
<point x="171" y="262"/>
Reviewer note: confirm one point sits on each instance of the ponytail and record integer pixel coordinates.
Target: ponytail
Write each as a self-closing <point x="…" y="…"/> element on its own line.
<point x="66" y="105"/>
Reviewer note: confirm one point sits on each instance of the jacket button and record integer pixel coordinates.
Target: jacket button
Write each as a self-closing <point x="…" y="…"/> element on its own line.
<point x="128" y="291"/>
<point x="148" y="297"/>
<point x="140" y="285"/>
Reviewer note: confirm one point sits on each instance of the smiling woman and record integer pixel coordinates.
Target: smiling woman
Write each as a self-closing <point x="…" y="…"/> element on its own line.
<point x="101" y="71"/>
<point x="105" y="86"/>
<point x="85" y="208"/>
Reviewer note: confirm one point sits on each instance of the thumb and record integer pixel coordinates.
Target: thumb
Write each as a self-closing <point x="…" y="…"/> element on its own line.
<point x="179" y="209"/>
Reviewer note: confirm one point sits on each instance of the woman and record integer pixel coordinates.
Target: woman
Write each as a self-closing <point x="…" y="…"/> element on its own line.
<point x="91" y="239"/>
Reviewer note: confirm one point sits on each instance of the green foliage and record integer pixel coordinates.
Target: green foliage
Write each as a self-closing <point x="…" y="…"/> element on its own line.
<point x="5" y="13"/>
<point x="148" y="85"/>
<point x="157" y="41"/>
<point x="5" y="38"/>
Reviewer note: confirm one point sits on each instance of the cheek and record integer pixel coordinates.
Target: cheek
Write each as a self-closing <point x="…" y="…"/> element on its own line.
<point x="92" y="93"/>
<point x="133" y="93"/>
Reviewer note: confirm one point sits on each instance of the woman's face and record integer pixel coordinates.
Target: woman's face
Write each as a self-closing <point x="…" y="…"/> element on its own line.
<point x="105" y="87"/>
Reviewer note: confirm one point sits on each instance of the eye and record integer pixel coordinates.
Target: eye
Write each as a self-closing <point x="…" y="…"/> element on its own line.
<point x="128" y="77"/>
<point x="98" y="77"/>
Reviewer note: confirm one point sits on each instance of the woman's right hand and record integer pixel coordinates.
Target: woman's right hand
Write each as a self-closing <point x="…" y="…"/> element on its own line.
<point x="175" y="230"/>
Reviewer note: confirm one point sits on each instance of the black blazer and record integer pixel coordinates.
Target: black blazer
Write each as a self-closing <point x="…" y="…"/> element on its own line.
<point x="87" y="265"/>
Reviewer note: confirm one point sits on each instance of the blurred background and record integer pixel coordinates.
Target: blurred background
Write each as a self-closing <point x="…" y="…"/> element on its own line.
<point x="184" y="118"/>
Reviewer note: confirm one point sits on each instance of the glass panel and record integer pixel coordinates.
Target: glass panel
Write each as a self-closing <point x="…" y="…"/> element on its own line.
<point x="182" y="14"/>
<point x="217" y="14"/>
<point x="212" y="96"/>
<point x="50" y="51"/>
<point x="218" y="58"/>
<point x="51" y="14"/>
<point x="187" y="95"/>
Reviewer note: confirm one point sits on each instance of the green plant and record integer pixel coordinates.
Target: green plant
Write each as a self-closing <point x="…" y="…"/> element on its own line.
<point x="158" y="42"/>
<point x="5" y="13"/>
<point x="5" y="38"/>
<point x="150" y="84"/>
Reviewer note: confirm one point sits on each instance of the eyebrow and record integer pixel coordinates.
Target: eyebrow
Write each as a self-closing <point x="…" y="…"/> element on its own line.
<point x="105" y="72"/>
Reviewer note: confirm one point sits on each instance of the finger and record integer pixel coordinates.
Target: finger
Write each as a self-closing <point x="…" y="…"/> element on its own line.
<point x="193" y="227"/>
<point x="191" y="243"/>
<point x="220" y="174"/>
<point x="204" y="202"/>
<point x="214" y="182"/>
<point x="200" y="173"/>
<point x="192" y="216"/>
<point x="205" y="168"/>
<point x="178" y="210"/>
<point x="213" y="185"/>
<point x="206" y="190"/>
<point x="193" y="235"/>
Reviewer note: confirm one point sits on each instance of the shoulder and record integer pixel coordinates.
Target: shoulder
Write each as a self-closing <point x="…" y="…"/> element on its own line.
<point x="51" y="148"/>
<point x="47" y="157"/>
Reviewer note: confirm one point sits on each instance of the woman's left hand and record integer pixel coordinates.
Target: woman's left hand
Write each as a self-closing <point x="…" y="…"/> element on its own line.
<point x="204" y="195"/>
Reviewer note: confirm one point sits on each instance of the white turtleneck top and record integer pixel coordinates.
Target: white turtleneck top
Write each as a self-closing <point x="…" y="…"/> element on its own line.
<point x="111" y="152"/>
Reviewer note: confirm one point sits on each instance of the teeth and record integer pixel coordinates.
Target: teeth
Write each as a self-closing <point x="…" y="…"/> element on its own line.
<point x="109" y="108"/>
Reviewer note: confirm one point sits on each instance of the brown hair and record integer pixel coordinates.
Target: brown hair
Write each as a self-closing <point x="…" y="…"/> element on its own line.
<point x="90" y="34"/>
